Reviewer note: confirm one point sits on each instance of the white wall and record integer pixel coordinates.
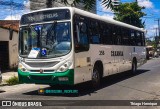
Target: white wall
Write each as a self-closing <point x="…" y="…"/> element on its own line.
<point x="13" y="46"/>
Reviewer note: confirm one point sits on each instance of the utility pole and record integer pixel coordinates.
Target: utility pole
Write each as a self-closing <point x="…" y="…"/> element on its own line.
<point x="158" y="20"/>
<point x="158" y="36"/>
<point x="156" y="31"/>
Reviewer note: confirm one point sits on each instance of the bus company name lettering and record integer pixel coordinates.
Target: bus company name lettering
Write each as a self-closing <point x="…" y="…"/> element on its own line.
<point x="41" y="17"/>
<point x="116" y="53"/>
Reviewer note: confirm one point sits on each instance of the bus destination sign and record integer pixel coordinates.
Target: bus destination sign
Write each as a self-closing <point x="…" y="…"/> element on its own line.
<point x="44" y="16"/>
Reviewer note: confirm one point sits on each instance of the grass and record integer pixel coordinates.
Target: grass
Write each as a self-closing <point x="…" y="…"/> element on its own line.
<point x="12" y="81"/>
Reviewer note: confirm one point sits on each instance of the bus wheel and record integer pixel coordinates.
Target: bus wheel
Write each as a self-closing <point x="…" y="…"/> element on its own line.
<point x="134" y="67"/>
<point x="96" y="77"/>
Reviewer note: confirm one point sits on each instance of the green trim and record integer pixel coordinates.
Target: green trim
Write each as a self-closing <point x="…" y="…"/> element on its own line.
<point x="46" y="78"/>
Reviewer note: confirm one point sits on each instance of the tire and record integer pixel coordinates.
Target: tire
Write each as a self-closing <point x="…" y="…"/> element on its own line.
<point x="96" y="77"/>
<point x="134" y="67"/>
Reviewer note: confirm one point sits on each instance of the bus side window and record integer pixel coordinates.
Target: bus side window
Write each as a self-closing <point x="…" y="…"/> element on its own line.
<point x="83" y="38"/>
<point x="132" y="38"/>
<point x="143" y="39"/>
<point x="94" y="32"/>
<point x="125" y="36"/>
<point x="138" y="37"/>
<point x="117" y="35"/>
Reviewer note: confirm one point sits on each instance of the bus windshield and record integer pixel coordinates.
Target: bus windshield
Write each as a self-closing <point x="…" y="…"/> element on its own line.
<point x="45" y="40"/>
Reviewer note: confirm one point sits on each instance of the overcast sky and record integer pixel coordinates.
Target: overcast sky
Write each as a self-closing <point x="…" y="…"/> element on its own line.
<point x="14" y="11"/>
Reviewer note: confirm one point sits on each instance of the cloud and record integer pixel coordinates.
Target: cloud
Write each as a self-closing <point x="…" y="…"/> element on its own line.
<point x="110" y="16"/>
<point x="156" y="10"/>
<point x="154" y="26"/>
<point x="13" y="17"/>
<point x="145" y="3"/>
<point x="151" y="31"/>
<point x="27" y="4"/>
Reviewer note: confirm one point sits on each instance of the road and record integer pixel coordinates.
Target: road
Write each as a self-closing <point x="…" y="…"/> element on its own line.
<point x="145" y="85"/>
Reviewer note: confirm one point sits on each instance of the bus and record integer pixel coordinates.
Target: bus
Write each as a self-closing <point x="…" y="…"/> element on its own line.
<point x="68" y="46"/>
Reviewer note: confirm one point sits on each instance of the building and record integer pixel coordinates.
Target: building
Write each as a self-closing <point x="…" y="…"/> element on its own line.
<point x="8" y="44"/>
<point x="40" y="4"/>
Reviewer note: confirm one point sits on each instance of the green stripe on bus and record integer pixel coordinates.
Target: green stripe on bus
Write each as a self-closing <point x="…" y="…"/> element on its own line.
<point x="46" y="78"/>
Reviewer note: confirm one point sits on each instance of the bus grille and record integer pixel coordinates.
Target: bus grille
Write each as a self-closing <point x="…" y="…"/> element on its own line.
<point x="41" y="77"/>
<point x="42" y="64"/>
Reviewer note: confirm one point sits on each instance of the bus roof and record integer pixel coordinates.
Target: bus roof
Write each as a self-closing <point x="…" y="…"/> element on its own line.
<point x="94" y="16"/>
<point x="105" y="19"/>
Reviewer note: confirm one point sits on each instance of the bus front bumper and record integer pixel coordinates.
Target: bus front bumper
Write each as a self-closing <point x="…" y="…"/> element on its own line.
<point x="66" y="78"/>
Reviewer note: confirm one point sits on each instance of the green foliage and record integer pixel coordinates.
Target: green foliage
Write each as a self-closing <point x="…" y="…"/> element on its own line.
<point x="13" y="80"/>
<point x="107" y="4"/>
<point x="151" y="43"/>
<point x="130" y="13"/>
<point x="88" y="4"/>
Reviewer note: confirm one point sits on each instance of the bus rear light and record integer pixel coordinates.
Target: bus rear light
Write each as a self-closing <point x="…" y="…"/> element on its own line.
<point x="63" y="78"/>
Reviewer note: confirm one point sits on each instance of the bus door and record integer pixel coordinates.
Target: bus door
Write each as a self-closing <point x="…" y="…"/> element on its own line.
<point x="82" y="54"/>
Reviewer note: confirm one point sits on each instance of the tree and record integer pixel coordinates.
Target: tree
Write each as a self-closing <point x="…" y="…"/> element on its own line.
<point x="88" y="4"/>
<point x="130" y="13"/>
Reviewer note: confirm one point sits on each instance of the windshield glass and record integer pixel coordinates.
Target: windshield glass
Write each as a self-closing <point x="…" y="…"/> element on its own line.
<point x="45" y="40"/>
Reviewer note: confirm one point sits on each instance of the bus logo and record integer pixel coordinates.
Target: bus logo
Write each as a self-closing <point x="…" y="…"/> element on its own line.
<point x="6" y="103"/>
<point x="41" y="71"/>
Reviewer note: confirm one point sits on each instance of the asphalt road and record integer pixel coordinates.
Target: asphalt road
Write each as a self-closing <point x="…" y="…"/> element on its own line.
<point x="145" y="85"/>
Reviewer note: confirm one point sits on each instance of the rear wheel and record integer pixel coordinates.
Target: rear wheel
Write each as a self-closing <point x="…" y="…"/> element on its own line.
<point x="96" y="77"/>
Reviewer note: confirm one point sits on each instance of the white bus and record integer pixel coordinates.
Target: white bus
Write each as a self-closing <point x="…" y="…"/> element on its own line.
<point x="69" y="46"/>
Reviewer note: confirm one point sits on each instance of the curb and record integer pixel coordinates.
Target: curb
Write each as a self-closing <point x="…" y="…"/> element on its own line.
<point x="6" y="76"/>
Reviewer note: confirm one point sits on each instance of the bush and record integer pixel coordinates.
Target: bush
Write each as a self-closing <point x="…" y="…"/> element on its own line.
<point x="13" y="80"/>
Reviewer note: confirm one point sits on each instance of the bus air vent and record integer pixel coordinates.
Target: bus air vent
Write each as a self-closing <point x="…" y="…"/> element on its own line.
<point x="42" y="64"/>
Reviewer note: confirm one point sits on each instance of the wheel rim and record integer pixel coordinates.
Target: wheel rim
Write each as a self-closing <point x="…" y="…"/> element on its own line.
<point x="95" y="76"/>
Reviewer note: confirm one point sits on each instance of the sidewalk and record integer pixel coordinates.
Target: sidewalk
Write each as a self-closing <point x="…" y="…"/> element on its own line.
<point x="7" y="75"/>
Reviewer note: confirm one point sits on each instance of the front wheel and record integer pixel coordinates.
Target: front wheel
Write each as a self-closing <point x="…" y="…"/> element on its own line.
<point x="96" y="77"/>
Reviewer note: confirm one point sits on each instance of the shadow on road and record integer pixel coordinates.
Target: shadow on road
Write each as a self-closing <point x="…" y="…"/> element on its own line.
<point x="85" y="88"/>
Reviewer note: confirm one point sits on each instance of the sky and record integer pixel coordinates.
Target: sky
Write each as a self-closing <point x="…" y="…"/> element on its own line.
<point x="14" y="11"/>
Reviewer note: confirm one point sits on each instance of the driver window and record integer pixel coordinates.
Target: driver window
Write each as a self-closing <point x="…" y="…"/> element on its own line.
<point x="83" y="34"/>
<point x="80" y="34"/>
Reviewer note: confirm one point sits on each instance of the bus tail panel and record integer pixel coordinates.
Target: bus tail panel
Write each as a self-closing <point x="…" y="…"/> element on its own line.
<point x="64" y="78"/>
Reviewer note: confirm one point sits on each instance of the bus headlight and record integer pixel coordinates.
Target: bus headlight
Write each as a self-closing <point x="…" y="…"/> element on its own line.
<point x="64" y="67"/>
<point x="21" y="67"/>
